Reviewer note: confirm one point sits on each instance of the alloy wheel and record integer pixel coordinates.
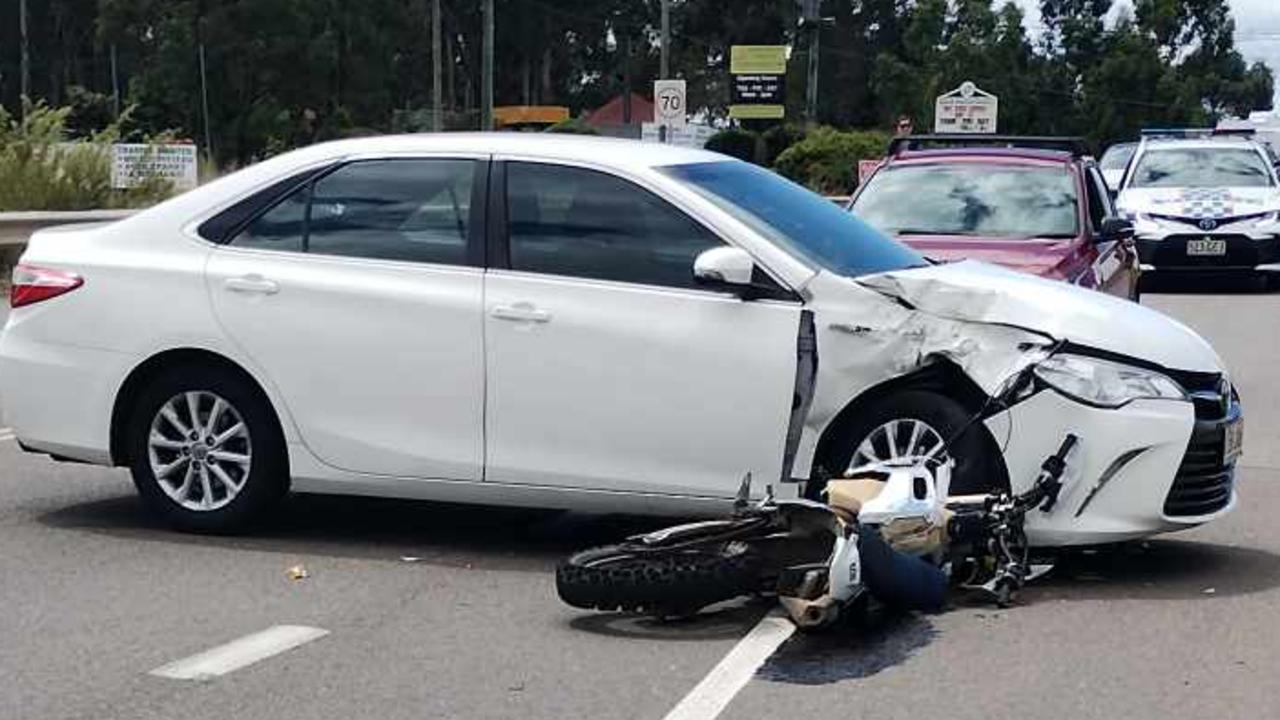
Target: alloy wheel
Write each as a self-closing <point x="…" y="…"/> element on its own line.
<point x="899" y="439"/>
<point x="200" y="450"/>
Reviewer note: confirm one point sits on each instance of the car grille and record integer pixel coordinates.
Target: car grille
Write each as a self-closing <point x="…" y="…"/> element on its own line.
<point x="1203" y="483"/>
<point x="1209" y="392"/>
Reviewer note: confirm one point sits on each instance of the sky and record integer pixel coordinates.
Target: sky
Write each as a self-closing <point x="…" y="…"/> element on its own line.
<point x="1257" y="29"/>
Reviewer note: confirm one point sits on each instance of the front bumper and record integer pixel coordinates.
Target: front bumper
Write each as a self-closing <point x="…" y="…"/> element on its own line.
<point x="1149" y="467"/>
<point x="1243" y="252"/>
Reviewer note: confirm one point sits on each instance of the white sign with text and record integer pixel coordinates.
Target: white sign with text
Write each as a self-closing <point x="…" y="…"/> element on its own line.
<point x="133" y="164"/>
<point x="966" y="110"/>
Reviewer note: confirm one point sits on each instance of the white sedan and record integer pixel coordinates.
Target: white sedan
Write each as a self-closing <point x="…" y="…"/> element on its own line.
<point x="581" y="323"/>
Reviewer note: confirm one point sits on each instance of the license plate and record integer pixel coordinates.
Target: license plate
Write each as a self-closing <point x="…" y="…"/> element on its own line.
<point x="1207" y="246"/>
<point x="1234" y="441"/>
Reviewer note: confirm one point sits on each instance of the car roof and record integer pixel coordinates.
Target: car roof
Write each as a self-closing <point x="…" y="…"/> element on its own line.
<point x="564" y="146"/>
<point x="1003" y="156"/>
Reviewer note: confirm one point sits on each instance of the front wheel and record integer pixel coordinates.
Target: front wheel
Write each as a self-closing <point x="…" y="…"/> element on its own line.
<point x="206" y="451"/>
<point x="918" y="424"/>
<point x="664" y="583"/>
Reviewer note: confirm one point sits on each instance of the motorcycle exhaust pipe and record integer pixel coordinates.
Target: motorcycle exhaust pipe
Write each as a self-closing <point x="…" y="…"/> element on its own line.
<point x="810" y="614"/>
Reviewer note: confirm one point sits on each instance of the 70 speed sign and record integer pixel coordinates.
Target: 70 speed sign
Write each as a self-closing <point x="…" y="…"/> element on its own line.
<point x="669" y="103"/>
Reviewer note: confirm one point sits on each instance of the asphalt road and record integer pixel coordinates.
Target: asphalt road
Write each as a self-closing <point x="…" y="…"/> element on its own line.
<point x="447" y="612"/>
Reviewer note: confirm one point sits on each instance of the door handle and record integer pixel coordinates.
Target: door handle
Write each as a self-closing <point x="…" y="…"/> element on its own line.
<point x="251" y="284"/>
<point x="520" y="312"/>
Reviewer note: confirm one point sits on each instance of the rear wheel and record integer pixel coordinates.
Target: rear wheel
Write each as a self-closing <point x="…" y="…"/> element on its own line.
<point x="664" y="583"/>
<point x="205" y="449"/>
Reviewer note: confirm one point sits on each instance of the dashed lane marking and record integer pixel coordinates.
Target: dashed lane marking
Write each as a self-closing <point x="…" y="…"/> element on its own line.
<point x="239" y="653"/>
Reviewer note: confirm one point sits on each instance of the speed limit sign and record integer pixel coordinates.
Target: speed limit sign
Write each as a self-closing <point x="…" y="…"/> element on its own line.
<point x="669" y="103"/>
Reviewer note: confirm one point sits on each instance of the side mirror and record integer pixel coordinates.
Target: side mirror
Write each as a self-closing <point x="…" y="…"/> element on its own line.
<point x="1114" y="229"/>
<point x="726" y="268"/>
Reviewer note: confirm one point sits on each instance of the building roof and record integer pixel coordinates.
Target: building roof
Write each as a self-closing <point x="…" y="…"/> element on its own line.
<point x="611" y="113"/>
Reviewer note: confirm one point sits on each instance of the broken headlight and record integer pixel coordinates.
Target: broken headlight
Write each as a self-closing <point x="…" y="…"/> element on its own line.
<point x="1105" y="383"/>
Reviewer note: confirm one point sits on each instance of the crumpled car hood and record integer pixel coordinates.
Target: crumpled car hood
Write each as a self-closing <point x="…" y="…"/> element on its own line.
<point x="977" y="292"/>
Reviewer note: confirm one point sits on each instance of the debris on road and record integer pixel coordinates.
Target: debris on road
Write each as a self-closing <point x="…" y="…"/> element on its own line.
<point x="298" y="572"/>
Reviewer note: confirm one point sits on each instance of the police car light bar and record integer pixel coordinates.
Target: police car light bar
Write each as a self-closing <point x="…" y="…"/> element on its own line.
<point x="1195" y="132"/>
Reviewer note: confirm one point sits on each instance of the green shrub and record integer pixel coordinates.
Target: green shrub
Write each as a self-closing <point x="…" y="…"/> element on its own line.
<point x="572" y="126"/>
<point x="734" y="142"/>
<point x="778" y="138"/>
<point x="826" y="160"/>
<point x="41" y="170"/>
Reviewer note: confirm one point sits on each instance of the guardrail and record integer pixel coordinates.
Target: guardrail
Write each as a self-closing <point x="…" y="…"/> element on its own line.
<point x="16" y="227"/>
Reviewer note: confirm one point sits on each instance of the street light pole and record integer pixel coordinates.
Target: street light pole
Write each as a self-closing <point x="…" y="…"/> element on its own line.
<point x="665" y="65"/>
<point x="486" y="83"/>
<point x="437" y="123"/>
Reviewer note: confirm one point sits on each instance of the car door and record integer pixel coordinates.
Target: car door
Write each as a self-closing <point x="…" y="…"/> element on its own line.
<point x="1115" y="266"/>
<point x="359" y="297"/>
<point x="607" y="367"/>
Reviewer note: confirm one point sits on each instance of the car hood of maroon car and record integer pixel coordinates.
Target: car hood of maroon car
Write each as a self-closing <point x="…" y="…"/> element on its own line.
<point x="1037" y="256"/>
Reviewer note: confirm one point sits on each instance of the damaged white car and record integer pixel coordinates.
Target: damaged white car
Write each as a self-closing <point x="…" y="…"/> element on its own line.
<point x="582" y="323"/>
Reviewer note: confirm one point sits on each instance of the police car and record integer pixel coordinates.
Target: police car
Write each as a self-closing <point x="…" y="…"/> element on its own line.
<point x="1202" y="200"/>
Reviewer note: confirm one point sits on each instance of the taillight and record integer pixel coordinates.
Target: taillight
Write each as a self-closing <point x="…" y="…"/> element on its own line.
<point x="33" y="284"/>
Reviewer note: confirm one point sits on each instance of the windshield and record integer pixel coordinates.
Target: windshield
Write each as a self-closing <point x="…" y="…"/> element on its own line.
<point x="804" y="223"/>
<point x="1201" y="167"/>
<point x="981" y="199"/>
<point x="1117" y="156"/>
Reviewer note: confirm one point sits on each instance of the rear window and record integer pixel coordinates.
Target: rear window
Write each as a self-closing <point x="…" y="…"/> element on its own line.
<point x="980" y="199"/>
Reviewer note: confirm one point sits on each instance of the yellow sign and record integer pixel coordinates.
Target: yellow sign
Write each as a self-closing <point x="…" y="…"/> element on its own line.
<point x="757" y="112"/>
<point x="758" y="60"/>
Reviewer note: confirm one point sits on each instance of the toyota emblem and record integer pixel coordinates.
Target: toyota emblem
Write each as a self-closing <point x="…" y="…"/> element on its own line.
<point x="1208" y="224"/>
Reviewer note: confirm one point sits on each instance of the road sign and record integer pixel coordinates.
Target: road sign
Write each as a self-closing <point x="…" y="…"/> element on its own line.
<point x="693" y="135"/>
<point x="867" y="167"/>
<point x="669" y="107"/>
<point x="966" y="110"/>
<point x="132" y="164"/>
<point x="758" y="90"/>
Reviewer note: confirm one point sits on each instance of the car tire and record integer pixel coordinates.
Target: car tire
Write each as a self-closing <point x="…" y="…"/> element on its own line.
<point x="218" y="474"/>
<point x="976" y="470"/>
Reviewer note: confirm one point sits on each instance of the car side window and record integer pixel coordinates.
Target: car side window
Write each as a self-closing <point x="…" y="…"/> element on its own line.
<point x="1098" y="200"/>
<point x="280" y="228"/>
<point x="412" y="210"/>
<point x="583" y="223"/>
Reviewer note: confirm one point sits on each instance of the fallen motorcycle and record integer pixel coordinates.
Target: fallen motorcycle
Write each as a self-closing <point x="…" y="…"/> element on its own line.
<point x="887" y="532"/>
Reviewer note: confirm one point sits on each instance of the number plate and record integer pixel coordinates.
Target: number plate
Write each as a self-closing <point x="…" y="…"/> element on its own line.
<point x="1234" y="442"/>
<point x="1207" y="246"/>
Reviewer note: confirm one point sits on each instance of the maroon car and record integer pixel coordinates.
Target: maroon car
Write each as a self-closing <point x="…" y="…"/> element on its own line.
<point x="1038" y="205"/>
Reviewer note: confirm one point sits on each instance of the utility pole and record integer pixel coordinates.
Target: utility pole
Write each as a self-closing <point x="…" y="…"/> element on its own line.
<point x="486" y="82"/>
<point x="437" y="121"/>
<point x="812" y="21"/>
<point x="26" y="57"/>
<point x="204" y="104"/>
<point x="115" y="84"/>
<point x="665" y="66"/>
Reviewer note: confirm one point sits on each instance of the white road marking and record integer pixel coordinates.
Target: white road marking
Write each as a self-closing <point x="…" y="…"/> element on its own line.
<point x="711" y="696"/>
<point x="239" y="653"/>
<point x="6" y="434"/>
